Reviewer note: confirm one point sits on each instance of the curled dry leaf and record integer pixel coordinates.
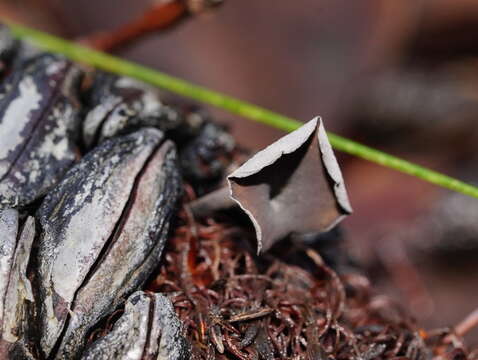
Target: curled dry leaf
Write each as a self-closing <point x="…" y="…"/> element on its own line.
<point x="293" y="185"/>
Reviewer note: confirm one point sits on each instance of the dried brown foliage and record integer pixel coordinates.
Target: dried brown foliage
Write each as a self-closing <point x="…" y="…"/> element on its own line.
<point x="238" y="306"/>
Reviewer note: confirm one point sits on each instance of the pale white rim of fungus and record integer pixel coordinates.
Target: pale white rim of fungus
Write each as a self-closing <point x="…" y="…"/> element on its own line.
<point x="286" y="145"/>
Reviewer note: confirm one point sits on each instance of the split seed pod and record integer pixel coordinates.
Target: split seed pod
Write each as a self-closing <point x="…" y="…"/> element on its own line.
<point x="204" y="159"/>
<point x="293" y="185"/>
<point x="149" y="329"/>
<point x="38" y="120"/>
<point x="118" y="105"/>
<point x="103" y="230"/>
<point x="15" y="288"/>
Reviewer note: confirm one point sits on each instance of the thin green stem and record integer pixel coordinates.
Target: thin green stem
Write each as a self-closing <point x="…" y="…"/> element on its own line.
<point x="253" y="112"/>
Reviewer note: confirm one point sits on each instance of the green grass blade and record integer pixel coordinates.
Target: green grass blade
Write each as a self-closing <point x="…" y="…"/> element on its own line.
<point x="253" y="112"/>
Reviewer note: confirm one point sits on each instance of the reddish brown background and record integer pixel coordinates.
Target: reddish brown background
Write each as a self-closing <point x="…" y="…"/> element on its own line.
<point x="300" y="58"/>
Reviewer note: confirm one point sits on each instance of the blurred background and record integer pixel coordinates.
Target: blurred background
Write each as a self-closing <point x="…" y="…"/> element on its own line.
<point x="401" y="76"/>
